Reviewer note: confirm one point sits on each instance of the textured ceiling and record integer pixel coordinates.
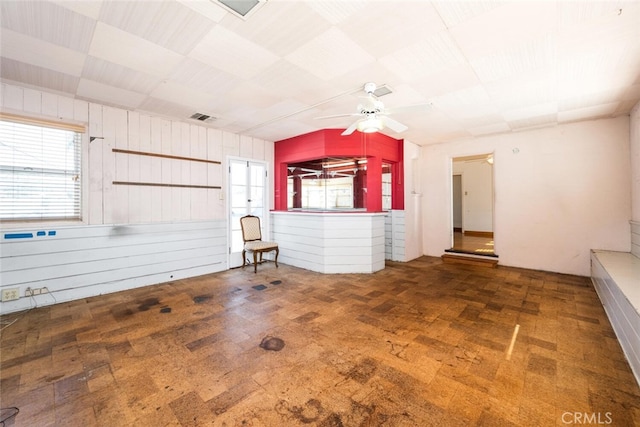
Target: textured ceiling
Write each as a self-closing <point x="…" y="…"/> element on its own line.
<point x="484" y="66"/>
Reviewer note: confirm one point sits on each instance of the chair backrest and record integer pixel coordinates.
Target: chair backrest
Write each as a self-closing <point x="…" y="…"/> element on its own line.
<point x="250" y="228"/>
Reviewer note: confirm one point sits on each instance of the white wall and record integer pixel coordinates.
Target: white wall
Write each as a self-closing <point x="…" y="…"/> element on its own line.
<point x="128" y="209"/>
<point x="412" y="202"/>
<point x="634" y="136"/>
<point x="559" y="192"/>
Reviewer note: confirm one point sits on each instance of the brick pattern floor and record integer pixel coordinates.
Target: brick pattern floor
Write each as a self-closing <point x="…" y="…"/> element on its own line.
<point x="417" y="344"/>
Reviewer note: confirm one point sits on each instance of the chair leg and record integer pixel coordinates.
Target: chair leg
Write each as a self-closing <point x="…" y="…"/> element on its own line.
<point x="255" y="261"/>
<point x="277" y="252"/>
<point x="244" y="258"/>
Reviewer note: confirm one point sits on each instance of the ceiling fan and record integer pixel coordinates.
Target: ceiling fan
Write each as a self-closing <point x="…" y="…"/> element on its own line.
<point x="374" y="115"/>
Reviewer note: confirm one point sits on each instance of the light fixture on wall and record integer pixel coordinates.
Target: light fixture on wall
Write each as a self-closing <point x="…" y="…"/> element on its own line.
<point x="371" y="124"/>
<point x="490" y="159"/>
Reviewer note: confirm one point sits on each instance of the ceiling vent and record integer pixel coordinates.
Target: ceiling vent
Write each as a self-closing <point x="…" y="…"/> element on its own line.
<point x="202" y="117"/>
<point x="241" y="8"/>
<point x="382" y="91"/>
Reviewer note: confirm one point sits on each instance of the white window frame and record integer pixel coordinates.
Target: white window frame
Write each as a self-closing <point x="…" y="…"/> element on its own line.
<point x="75" y="174"/>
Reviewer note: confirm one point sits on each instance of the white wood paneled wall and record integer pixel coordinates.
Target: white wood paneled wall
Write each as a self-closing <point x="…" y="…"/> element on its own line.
<point x="394" y="236"/>
<point x="167" y="229"/>
<point x="615" y="276"/>
<point x="84" y="261"/>
<point x="330" y="243"/>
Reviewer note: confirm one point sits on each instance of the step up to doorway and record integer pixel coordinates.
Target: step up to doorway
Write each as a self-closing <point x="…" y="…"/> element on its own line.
<point x="470" y="260"/>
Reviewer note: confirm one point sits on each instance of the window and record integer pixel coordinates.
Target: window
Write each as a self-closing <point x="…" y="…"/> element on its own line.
<point x="327" y="184"/>
<point x="39" y="169"/>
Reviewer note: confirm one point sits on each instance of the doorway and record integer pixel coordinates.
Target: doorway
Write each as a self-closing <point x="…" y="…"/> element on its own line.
<point x="472" y="205"/>
<point x="248" y="195"/>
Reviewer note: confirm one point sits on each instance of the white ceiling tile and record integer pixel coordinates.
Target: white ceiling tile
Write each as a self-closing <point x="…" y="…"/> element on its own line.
<point x="290" y="81"/>
<point x="40" y="53"/>
<point x="38" y="76"/>
<point x="206" y="8"/>
<point x="227" y="51"/>
<point x="48" y="22"/>
<point x="396" y="26"/>
<point x="603" y="110"/>
<point x="293" y="61"/>
<point x="139" y="54"/>
<point x="160" y="22"/>
<point x="456" y="12"/>
<point x="90" y="9"/>
<point x="116" y="75"/>
<point x="532" y="116"/>
<point x="337" y="11"/>
<point x="464" y="103"/>
<point x="423" y="58"/>
<point x="511" y="24"/>
<point x="534" y="87"/>
<point x="549" y="108"/>
<point x="98" y="92"/>
<point x="447" y="80"/>
<point x="600" y="69"/>
<point x="290" y="17"/>
<point x="168" y="109"/>
<point x="197" y="75"/>
<point x="534" y="54"/>
<point x="179" y="94"/>
<point x="321" y="58"/>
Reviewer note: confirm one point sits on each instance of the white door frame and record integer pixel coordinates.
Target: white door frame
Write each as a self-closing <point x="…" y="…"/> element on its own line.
<point x="234" y="259"/>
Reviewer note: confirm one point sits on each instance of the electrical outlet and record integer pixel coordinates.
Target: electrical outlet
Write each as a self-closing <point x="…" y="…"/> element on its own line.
<point x="29" y="292"/>
<point x="10" y="294"/>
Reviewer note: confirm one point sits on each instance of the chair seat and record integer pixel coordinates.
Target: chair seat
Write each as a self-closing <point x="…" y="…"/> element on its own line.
<point x="259" y="245"/>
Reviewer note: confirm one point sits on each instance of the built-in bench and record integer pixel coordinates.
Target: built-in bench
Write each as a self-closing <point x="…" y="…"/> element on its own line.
<point x="616" y="278"/>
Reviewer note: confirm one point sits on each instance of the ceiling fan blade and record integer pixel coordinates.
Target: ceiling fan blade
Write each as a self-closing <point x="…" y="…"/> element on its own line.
<point x="417" y="108"/>
<point x="394" y="125"/>
<point x="350" y="129"/>
<point x="339" y="115"/>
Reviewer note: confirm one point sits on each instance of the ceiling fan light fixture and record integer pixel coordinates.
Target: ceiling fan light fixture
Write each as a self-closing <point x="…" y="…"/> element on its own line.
<point x="370" y="125"/>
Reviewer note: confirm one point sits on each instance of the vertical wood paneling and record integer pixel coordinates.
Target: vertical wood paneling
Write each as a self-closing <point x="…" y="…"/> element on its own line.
<point x="246" y="147"/>
<point x="50" y="106"/>
<point x="32" y="101"/>
<point x="65" y="108"/>
<point x="80" y="111"/>
<point x="230" y="144"/>
<point x="94" y="167"/>
<point x="142" y="242"/>
<point x="13" y="97"/>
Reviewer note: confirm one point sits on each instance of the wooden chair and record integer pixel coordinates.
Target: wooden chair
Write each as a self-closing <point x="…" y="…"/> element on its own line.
<point x="252" y="237"/>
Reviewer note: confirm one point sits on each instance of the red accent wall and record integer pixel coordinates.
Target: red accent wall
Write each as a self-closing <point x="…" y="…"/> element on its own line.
<point x="376" y="147"/>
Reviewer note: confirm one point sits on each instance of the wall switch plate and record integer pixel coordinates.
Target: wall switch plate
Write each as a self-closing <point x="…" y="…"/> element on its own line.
<point x="10" y="294"/>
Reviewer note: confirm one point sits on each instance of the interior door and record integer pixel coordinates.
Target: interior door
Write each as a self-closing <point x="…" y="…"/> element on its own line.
<point x="247" y="189"/>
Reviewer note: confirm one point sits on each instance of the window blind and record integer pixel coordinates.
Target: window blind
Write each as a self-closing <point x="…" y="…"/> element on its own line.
<point x="39" y="169"/>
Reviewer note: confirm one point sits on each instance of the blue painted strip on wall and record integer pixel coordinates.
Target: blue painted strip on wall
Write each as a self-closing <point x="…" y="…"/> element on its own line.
<point x="18" y="235"/>
<point x="52" y="233"/>
<point x="41" y="233"/>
